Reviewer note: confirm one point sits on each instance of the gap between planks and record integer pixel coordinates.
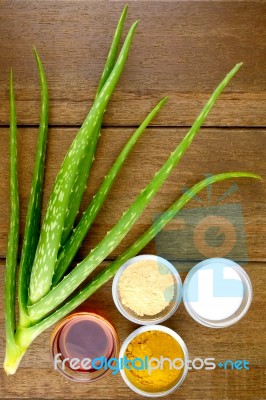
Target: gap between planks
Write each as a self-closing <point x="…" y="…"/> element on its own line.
<point x="260" y="261"/>
<point x="27" y="126"/>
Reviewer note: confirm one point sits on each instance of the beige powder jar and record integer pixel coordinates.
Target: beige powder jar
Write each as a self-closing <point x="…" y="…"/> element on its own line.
<point x="147" y="289"/>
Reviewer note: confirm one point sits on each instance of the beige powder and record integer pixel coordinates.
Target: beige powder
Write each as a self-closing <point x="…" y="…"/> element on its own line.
<point x="146" y="287"/>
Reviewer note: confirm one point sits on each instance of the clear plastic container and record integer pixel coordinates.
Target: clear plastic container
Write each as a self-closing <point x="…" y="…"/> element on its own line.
<point x="217" y="292"/>
<point x="167" y="312"/>
<point x="83" y="336"/>
<point x="185" y="360"/>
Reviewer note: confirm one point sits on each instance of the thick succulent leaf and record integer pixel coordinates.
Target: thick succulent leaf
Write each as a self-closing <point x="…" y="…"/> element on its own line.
<point x="108" y="272"/>
<point x="66" y="287"/>
<point x="83" y="171"/>
<point x="12" y="351"/>
<point x="33" y="219"/>
<point x="68" y="252"/>
<point x="50" y="237"/>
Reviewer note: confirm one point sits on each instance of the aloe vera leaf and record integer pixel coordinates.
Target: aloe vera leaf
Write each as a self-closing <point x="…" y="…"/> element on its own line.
<point x="33" y="219"/>
<point x="68" y="252"/>
<point x="25" y="336"/>
<point x="83" y="172"/>
<point x="13" y="352"/>
<point x="108" y="272"/>
<point x="64" y="288"/>
<point x="79" y="186"/>
<point x="50" y="236"/>
<point x="111" y="58"/>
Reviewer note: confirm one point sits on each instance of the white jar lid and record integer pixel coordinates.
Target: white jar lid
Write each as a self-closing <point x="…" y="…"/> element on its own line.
<point x="217" y="292"/>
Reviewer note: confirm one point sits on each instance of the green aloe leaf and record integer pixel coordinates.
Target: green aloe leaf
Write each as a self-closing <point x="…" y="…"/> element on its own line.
<point x="53" y="225"/>
<point x="108" y="272"/>
<point x="83" y="171"/>
<point x="66" y="287"/>
<point x="13" y="352"/>
<point x="68" y="252"/>
<point x="33" y="219"/>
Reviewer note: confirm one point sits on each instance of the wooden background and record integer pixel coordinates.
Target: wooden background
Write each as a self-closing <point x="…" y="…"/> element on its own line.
<point x="181" y="49"/>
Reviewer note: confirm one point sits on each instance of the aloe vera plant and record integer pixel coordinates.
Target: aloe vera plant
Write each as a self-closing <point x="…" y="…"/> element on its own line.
<point x="50" y="236"/>
<point x="71" y="281"/>
<point x="83" y="171"/>
<point x="67" y="253"/>
<point x="12" y="348"/>
<point x="33" y="220"/>
<point x="44" y="282"/>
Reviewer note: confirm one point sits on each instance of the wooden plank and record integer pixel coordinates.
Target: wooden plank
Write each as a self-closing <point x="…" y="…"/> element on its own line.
<point x="181" y="49"/>
<point x="213" y="151"/>
<point x="245" y="340"/>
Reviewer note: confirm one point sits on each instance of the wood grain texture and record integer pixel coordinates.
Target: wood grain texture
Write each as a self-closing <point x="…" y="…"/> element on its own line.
<point x="181" y="49"/>
<point x="213" y="151"/>
<point x="245" y="340"/>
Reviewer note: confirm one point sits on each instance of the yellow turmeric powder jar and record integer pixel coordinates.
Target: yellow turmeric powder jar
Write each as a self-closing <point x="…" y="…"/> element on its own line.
<point x="154" y="360"/>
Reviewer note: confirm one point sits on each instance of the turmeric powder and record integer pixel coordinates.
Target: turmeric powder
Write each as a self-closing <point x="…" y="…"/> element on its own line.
<point x="155" y="346"/>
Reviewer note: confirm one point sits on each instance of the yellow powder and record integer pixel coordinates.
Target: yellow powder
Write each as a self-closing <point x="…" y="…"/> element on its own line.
<point x="154" y="344"/>
<point x="146" y="287"/>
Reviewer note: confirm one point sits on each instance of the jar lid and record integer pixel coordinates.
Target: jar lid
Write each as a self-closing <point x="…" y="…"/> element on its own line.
<point x="217" y="292"/>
